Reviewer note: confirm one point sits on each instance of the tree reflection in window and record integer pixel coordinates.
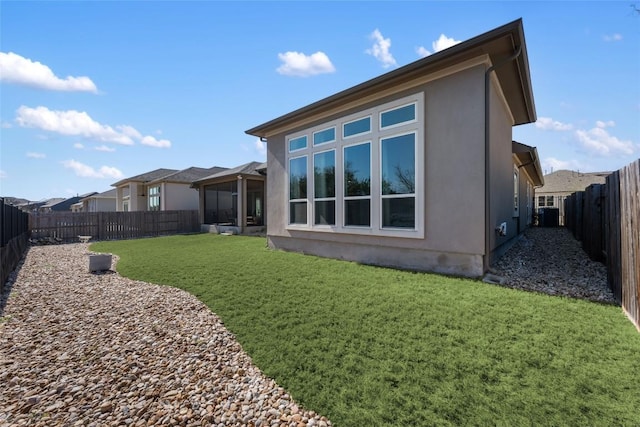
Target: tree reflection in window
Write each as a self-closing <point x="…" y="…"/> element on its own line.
<point x="398" y="165"/>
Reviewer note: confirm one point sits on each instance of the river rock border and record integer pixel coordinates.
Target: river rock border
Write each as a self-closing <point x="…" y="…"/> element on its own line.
<point x="78" y="348"/>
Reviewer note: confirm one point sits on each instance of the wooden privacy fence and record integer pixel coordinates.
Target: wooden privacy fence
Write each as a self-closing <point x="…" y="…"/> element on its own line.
<point x="67" y="226"/>
<point x="14" y="236"/>
<point x="606" y="218"/>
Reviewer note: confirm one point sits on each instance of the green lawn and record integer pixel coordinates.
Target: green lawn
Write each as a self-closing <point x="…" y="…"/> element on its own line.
<point x="369" y="346"/>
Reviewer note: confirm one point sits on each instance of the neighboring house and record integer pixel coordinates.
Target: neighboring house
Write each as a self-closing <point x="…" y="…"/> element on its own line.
<point x="161" y="189"/>
<point x="131" y="193"/>
<point x="49" y="204"/>
<point x="62" y="205"/>
<point x="413" y="169"/>
<point x="560" y="184"/>
<point x="100" y="202"/>
<point x="233" y="200"/>
<point x="77" y="207"/>
<point x="174" y="191"/>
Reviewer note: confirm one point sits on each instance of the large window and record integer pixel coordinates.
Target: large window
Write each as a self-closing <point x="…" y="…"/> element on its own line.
<point x="298" y="190"/>
<point x="154" y="198"/>
<point x="367" y="172"/>
<point x="357" y="185"/>
<point x="221" y="203"/>
<point x="324" y="187"/>
<point x="398" y="181"/>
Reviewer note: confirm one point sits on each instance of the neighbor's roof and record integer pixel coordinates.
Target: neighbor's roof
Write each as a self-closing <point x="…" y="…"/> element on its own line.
<point x="251" y="168"/>
<point x="109" y="194"/>
<point x="528" y="157"/>
<point x="52" y="202"/>
<point x="566" y="181"/>
<point x="499" y="44"/>
<point x="146" y="177"/>
<point x="189" y="175"/>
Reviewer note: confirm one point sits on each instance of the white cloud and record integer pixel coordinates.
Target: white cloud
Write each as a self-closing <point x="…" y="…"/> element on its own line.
<point x="5" y="125"/>
<point x="547" y="123"/>
<point x="616" y="37"/>
<point x="17" y="69"/>
<point x="300" y="65"/>
<point x="601" y="124"/>
<point x="69" y="122"/>
<point x="129" y="131"/>
<point x="551" y="164"/>
<point x="422" y="51"/>
<point x="442" y="43"/>
<point x="105" y="148"/>
<point x="152" y="142"/>
<point x="78" y="146"/>
<point x="3" y="174"/>
<point x="261" y="147"/>
<point x="33" y="155"/>
<point x="77" y="123"/>
<point x="598" y="140"/>
<point x="85" y="171"/>
<point x="380" y="49"/>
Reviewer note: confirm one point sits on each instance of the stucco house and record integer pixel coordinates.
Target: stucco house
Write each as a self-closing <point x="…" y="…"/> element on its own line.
<point x="62" y="205"/>
<point x="413" y="169"/>
<point x="562" y="183"/>
<point x="99" y="202"/>
<point x="233" y="200"/>
<point x="161" y="190"/>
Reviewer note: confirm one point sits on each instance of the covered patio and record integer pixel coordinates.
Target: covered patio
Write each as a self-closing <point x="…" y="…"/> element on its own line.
<point x="233" y="201"/>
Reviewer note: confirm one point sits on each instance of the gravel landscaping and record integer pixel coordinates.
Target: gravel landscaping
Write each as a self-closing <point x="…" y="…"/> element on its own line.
<point x="551" y="261"/>
<point x="78" y="348"/>
<point x="98" y="349"/>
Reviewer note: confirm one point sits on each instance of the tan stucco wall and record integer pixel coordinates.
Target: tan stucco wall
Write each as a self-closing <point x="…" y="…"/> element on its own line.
<point x="101" y="205"/>
<point x="454" y="183"/>
<point x="178" y="197"/>
<point x="501" y="171"/>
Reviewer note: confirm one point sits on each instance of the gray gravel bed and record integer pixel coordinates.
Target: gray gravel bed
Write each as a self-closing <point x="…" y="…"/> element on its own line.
<point x="98" y="349"/>
<point x="551" y="261"/>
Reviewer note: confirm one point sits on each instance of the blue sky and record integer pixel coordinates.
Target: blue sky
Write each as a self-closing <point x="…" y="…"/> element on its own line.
<point x="92" y="92"/>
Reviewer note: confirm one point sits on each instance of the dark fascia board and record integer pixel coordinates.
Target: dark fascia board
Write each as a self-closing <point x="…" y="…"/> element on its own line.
<point x="491" y="43"/>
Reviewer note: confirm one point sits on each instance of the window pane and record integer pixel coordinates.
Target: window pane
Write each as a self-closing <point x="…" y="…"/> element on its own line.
<point x="398" y="165"/>
<point x="324" y="166"/>
<point x="357" y="212"/>
<point x="399" y="115"/>
<point x="357" y="170"/>
<point x="549" y="200"/>
<point x="298" y="212"/>
<point x="325" y="212"/>
<point x="540" y="200"/>
<point x="356" y="127"/>
<point x="327" y="135"/>
<point x="398" y="212"/>
<point x="298" y="178"/>
<point x="298" y="143"/>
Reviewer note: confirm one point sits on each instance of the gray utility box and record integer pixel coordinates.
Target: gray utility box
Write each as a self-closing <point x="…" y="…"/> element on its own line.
<point x="99" y="262"/>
